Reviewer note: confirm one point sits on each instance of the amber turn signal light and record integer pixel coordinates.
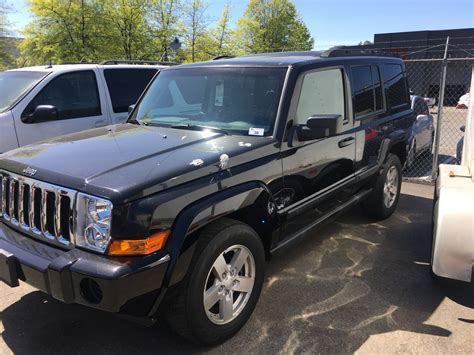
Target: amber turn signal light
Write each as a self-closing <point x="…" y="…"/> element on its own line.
<point x="146" y="246"/>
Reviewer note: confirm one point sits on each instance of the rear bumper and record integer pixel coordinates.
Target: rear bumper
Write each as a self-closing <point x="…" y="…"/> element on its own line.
<point x="77" y="276"/>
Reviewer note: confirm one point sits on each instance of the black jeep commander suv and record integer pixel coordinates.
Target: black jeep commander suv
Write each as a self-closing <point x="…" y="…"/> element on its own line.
<point x="220" y="165"/>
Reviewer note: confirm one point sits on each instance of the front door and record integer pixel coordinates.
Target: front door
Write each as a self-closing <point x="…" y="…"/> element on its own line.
<point x="77" y="99"/>
<point x="321" y="167"/>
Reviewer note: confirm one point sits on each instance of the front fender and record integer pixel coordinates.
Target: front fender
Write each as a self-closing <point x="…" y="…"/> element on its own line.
<point x="181" y="242"/>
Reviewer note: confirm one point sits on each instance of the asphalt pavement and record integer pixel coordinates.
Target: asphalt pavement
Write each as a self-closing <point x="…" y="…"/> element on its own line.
<point x="353" y="286"/>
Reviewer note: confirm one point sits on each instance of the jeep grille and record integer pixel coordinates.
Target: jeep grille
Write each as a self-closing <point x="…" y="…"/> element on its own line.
<point x="41" y="210"/>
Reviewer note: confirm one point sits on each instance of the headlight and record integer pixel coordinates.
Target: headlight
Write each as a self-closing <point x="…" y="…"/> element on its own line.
<point x="94" y="217"/>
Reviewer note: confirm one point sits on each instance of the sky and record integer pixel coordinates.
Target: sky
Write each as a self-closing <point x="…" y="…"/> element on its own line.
<point x="339" y="22"/>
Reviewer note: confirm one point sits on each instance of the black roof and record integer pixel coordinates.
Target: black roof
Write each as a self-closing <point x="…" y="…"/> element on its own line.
<point x="291" y="58"/>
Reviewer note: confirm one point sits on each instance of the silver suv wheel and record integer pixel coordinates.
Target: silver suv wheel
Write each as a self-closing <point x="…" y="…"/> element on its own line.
<point x="229" y="284"/>
<point x="390" y="188"/>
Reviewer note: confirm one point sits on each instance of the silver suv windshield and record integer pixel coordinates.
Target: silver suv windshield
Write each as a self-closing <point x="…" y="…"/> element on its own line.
<point x="235" y="100"/>
<point x="14" y="84"/>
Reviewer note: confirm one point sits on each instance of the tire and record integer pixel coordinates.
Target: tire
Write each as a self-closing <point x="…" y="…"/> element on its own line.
<point x="376" y="205"/>
<point x="187" y="315"/>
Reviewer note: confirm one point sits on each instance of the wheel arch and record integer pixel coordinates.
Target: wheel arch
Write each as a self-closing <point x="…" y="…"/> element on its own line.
<point x="398" y="145"/>
<point x="241" y="202"/>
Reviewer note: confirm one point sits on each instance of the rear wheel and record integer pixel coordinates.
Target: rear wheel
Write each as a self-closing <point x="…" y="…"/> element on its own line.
<point x="223" y="284"/>
<point x="383" y="200"/>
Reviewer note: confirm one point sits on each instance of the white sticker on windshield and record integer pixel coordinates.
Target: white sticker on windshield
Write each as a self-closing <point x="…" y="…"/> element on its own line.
<point x="256" y="131"/>
<point x="219" y="100"/>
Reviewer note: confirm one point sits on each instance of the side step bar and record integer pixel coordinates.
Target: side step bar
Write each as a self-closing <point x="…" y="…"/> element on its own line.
<point x="333" y="213"/>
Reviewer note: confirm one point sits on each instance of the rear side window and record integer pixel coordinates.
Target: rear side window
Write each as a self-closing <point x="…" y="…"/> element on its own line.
<point x="126" y="85"/>
<point x="74" y="94"/>
<point x="395" y="82"/>
<point x="366" y="90"/>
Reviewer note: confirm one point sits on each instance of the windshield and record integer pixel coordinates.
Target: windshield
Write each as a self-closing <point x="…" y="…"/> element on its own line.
<point x="13" y="84"/>
<point x="236" y="100"/>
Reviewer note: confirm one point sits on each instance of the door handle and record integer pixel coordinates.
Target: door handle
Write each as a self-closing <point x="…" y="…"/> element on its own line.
<point x="101" y="123"/>
<point x="345" y="142"/>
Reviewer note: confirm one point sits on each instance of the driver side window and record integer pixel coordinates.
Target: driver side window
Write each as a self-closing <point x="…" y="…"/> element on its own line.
<point x="322" y="92"/>
<point x="74" y="94"/>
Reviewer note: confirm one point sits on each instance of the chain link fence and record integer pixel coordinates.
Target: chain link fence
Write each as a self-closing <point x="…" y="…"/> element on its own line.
<point x="440" y="74"/>
<point x="425" y="78"/>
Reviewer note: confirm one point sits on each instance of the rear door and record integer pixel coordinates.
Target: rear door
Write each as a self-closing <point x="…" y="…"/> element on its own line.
<point x="381" y="107"/>
<point x="125" y="85"/>
<point x="369" y="112"/>
<point x="77" y="98"/>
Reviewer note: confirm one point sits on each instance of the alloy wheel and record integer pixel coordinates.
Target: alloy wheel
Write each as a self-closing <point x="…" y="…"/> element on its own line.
<point x="390" y="188"/>
<point x="229" y="284"/>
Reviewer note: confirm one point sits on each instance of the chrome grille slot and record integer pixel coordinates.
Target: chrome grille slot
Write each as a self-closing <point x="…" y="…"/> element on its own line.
<point x="39" y="209"/>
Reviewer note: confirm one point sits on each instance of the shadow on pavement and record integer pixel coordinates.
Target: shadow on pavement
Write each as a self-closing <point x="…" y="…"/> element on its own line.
<point x="348" y="281"/>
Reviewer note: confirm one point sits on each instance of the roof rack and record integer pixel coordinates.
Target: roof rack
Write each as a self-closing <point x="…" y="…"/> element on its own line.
<point x="146" y="62"/>
<point x="223" y="57"/>
<point x="343" y="51"/>
<point x="286" y="54"/>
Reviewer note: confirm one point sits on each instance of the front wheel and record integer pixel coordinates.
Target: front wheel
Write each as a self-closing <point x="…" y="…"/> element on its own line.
<point x="223" y="285"/>
<point x="383" y="200"/>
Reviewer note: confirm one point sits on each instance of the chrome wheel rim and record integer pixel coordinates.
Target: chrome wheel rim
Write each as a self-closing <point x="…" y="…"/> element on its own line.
<point x="229" y="284"/>
<point x="390" y="188"/>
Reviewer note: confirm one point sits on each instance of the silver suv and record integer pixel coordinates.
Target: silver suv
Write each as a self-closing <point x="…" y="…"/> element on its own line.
<point x="39" y="103"/>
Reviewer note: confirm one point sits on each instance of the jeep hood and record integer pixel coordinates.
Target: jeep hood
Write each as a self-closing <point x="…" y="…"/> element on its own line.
<point x="126" y="162"/>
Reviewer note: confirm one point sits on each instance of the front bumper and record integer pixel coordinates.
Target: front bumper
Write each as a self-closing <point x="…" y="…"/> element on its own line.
<point x="77" y="276"/>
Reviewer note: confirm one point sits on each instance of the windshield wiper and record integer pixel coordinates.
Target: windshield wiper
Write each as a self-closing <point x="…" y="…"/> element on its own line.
<point x="194" y="127"/>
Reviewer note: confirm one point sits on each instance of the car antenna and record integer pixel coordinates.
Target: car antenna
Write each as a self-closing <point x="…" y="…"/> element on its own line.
<point x="50" y="65"/>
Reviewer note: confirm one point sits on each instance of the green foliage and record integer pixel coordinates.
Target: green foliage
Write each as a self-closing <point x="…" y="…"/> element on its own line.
<point x="6" y="58"/>
<point x="129" y="30"/>
<point x="196" y="36"/>
<point x="222" y="37"/>
<point x="165" y="25"/>
<point x="66" y="31"/>
<point x="94" y="30"/>
<point x="272" y="26"/>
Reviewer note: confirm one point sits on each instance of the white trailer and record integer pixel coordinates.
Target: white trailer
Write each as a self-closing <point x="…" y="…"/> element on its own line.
<point x="453" y="232"/>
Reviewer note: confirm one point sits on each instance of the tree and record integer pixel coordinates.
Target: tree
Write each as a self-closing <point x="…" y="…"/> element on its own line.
<point x="223" y="31"/>
<point x="131" y="30"/>
<point x="166" y="24"/>
<point x="271" y="26"/>
<point x="66" y="31"/>
<point x="6" y="59"/>
<point x="365" y="43"/>
<point x="196" y="24"/>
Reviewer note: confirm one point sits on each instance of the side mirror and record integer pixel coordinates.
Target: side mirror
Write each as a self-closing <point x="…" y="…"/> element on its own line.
<point x="42" y="113"/>
<point x="131" y="108"/>
<point x="317" y="127"/>
<point x="463" y="128"/>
